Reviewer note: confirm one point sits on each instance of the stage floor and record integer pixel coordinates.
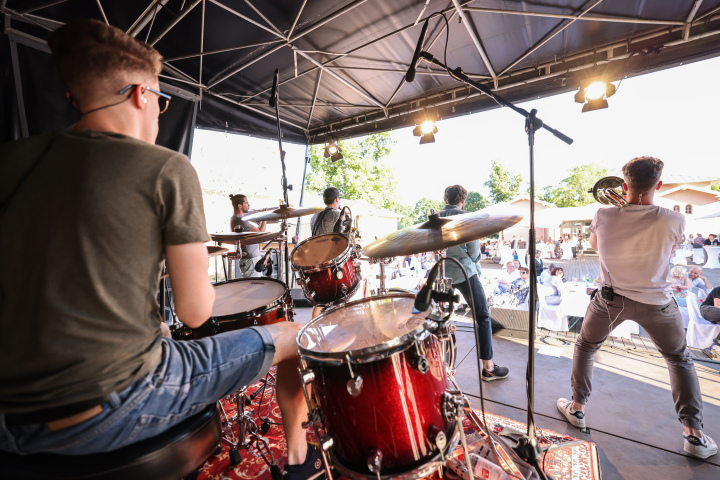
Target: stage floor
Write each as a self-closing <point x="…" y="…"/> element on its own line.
<point x="630" y="416"/>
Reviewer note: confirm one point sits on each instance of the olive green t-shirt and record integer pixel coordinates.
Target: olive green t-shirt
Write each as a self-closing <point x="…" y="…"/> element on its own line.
<point x="81" y="247"/>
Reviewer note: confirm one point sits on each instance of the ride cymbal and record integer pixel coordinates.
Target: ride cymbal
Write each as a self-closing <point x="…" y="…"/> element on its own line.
<point x="439" y="233"/>
<point x="282" y="213"/>
<point x="244" y="238"/>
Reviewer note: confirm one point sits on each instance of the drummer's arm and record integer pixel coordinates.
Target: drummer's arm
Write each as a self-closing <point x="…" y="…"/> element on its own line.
<point x="593" y="241"/>
<point x="192" y="293"/>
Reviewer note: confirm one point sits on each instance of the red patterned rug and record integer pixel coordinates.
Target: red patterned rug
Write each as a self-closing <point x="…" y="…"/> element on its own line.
<point x="578" y="462"/>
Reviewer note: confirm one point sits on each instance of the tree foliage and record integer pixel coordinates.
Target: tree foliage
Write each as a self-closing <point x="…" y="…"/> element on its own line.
<point x="423" y="207"/>
<point x="716" y="187"/>
<point x="573" y="190"/>
<point x="361" y="174"/>
<point x="475" y="201"/>
<point x="504" y="183"/>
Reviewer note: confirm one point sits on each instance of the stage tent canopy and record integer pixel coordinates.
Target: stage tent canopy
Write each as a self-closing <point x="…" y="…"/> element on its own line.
<point x="342" y="63"/>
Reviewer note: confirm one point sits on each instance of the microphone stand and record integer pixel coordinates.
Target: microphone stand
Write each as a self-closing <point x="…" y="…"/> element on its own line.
<point x="527" y="447"/>
<point x="275" y="101"/>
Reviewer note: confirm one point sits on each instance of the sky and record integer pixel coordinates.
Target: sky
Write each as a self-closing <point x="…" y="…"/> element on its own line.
<point x="666" y="114"/>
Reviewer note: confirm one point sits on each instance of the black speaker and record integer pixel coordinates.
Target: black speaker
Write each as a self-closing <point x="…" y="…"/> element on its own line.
<point x="511" y="323"/>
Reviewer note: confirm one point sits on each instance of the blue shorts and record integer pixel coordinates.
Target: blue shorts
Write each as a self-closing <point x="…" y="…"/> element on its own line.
<point x="191" y="375"/>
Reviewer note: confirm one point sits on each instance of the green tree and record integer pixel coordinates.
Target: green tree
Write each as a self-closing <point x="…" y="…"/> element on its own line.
<point x="423" y="207"/>
<point x="361" y="174"/>
<point x="408" y="215"/>
<point x="475" y="201"/>
<point x="504" y="183"/>
<point x="716" y="187"/>
<point x="573" y="190"/>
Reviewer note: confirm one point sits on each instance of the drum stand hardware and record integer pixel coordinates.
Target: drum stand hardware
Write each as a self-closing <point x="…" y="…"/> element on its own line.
<point x="307" y="376"/>
<point x="355" y="384"/>
<point x="248" y="433"/>
<point x="382" y="289"/>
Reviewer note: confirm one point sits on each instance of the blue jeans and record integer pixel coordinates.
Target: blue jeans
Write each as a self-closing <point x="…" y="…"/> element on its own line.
<point x="482" y="316"/>
<point x="191" y="375"/>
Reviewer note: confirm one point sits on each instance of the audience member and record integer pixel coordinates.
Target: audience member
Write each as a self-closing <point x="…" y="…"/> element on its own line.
<point x="680" y="285"/>
<point x="554" y="287"/>
<point x="699" y="284"/>
<point x="710" y="311"/>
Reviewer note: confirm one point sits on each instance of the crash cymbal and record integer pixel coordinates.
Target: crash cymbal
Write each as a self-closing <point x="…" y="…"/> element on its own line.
<point x="439" y="233"/>
<point x="244" y="238"/>
<point x="214" y="250"/>
<point x="281" y="213"/>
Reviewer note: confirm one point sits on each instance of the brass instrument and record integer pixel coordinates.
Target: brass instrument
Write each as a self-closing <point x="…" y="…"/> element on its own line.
<point x="605" y="191"/>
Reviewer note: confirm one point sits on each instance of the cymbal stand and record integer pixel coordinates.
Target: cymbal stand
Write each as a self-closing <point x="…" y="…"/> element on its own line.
<point x="528" y="446"/>
<point x="382" y="289"/>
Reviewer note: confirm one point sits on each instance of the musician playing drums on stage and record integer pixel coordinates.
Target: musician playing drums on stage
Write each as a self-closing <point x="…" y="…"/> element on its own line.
<point x="251" y="253"/>
<point x="468" y="254"/>
<point x="84" y="361"/>
<point x="634" y="286"/>
<point x="324" y="222"/>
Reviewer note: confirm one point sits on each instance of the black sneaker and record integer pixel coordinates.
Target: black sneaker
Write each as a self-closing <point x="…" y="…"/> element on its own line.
<point x="311" y="469"/>
<point x="497" y="373"/>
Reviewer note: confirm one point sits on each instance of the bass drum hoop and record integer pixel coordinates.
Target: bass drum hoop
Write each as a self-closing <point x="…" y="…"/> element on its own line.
<point x="256" y="312"/>
<point x="339" y="260"/>
<point x="423" y="470"/>
<point x="367" y="354"/>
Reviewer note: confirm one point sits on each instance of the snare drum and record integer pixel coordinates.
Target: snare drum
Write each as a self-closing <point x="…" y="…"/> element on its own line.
<point x="326" y="267"/>
<point x="242" y="303"/>
<point x="380" y="384"/>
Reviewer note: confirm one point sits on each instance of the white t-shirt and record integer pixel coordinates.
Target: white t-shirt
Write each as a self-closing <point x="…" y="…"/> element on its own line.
<point x="635" y="244"/>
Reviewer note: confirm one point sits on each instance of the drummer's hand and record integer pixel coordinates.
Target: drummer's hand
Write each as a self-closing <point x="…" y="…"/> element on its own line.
<point x="165" y="330"/>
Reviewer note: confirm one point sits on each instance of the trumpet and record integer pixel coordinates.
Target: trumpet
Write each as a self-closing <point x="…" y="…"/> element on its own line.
<point x="605" y="191"/>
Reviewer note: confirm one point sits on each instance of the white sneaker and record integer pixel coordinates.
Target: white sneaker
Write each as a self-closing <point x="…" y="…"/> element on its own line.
<point x="577" y="418"/>
<point x="700" y="448"/>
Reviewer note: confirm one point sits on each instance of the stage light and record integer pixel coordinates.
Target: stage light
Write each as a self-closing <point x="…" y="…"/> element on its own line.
<point x="426" y="131"/>
<point x="333" y="151"/>
<point x="595" y="94"/>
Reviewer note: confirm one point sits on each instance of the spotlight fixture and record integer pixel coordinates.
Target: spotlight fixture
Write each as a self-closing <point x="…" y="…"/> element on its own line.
<point x="594" y="95"/>
<point x="426" y="131"/>
<point x="333" y="151"/>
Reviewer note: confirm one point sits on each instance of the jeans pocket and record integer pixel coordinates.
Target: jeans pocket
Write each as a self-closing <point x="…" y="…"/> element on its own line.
<point x="148" y="426"/>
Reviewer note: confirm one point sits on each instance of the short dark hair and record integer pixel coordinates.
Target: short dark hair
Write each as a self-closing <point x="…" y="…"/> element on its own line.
<point x="524" y="270"/>
<point x="237" y="200"/>
<point x="455" y="194"/>
<point x="90" y="55"/>
<point x="330" y="194"/>
<point x="642" y="173"/>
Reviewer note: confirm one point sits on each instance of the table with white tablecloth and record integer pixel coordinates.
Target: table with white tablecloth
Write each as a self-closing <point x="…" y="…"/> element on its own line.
<point x="506" y="255"/>
<point x="566" y="251"/>
<point x="575" y="301"/>
<point x="712" y="257"/>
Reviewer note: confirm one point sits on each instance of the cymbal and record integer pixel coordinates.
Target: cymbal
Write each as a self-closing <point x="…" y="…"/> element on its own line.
<point x="244" y="238"/>
<point x="439" y="233"/>
<point x="281" y="213"/>
<point x="215" y="250"/>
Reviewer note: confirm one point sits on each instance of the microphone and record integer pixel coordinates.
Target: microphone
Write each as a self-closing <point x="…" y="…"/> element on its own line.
<point x="273" y="92"/>
<point x="410" y="75"/>
<point x="423" y="298"/>
<point x="260" y="266"/>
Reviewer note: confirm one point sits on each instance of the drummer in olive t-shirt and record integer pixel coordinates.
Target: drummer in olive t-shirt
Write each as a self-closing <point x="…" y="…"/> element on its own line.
<point x="84" y="361"/>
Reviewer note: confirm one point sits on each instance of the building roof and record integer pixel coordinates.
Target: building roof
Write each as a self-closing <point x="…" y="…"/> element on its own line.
<point x="527" y="197"/>
<point x="674" y="178"/>
<point x="688" y="187"/>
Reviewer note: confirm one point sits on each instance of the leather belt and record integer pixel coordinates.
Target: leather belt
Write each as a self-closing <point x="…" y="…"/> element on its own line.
<point x="57" y="418"/>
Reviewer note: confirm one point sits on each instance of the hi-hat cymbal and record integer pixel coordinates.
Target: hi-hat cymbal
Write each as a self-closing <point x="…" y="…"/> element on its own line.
<point x="439" y="233"/>
<point x="244" y="238"/>
<point x="281" y="213"/>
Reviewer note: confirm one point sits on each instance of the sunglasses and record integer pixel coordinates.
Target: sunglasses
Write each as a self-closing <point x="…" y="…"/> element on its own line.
<point x="163" y="98"/>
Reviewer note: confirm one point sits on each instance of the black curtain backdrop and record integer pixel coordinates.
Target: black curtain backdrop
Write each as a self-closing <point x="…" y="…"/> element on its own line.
<point x="47" y="107"/>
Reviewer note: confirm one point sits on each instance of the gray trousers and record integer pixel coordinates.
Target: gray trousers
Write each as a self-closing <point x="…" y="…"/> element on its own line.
<point x="664" y="326"/>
